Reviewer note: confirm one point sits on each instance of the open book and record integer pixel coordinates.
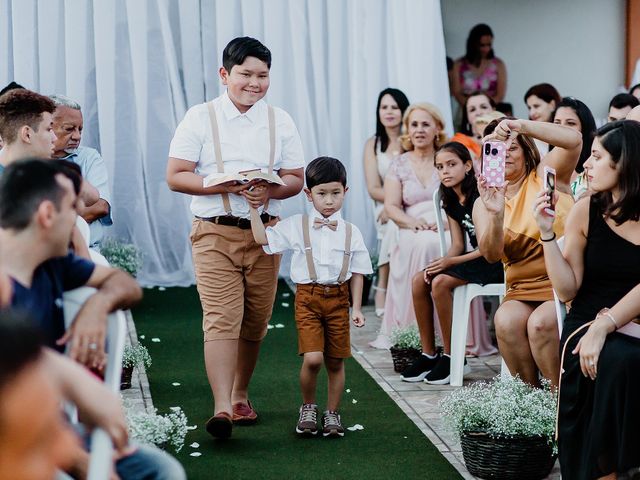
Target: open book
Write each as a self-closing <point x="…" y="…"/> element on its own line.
<point x="241" y="177"/>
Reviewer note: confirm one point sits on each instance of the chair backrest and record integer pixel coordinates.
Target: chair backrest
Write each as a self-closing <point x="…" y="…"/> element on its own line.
<point x="561" y="308"/>
<point x="440" y="222"/>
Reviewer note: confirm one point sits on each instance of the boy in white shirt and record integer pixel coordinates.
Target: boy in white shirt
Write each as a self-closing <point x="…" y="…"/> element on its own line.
<point x="327" y="252"/>
<point x="236" y="279"/>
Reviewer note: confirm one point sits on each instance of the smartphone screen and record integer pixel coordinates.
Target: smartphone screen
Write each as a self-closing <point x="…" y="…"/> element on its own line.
<point x="550" y="187"/>
<point x="493" y="158"/>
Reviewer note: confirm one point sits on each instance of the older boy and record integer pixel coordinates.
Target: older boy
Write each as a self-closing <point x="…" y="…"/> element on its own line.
<point x="236" y="280"/>
<point x="327" y="252"/>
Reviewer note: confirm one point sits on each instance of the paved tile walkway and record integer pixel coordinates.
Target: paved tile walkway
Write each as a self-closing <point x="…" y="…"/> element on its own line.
<point x="420" y="400"/>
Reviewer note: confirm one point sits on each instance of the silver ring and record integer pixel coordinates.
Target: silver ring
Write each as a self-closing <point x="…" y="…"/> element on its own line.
<point x="93" y="346"/>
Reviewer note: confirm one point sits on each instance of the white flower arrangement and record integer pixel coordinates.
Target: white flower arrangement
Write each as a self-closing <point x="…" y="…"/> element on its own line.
<point x="160" y="430"/>
<point x="136" y="356"/>
<point x="502" y="409"/>
<point x="406" y="338"/>
<point x="124" y="256"/>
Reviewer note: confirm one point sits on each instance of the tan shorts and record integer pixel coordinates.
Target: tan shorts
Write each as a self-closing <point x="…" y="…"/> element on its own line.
<point x="322" y="319"/>
<point x="236" y="280"/>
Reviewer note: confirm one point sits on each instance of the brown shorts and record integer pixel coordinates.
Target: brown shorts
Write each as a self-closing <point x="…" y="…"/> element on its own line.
<point x="322" y="319"/>
<point x="236" y="280"/>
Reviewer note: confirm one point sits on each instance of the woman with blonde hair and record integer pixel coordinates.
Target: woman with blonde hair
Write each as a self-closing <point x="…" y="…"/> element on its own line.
<point x="408" y="201"/>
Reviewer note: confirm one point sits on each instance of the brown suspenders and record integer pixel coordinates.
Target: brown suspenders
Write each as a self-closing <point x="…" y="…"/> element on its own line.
<point x="309" y="254"/>
<point x="215" y="134"/>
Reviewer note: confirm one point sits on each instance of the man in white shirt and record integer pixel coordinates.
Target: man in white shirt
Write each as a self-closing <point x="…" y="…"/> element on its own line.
<point x="236" y="279"/>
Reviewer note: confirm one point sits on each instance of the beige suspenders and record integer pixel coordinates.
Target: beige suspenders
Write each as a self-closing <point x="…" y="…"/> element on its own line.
<point x="309" y="254"/>
<point x="215" y="134"/>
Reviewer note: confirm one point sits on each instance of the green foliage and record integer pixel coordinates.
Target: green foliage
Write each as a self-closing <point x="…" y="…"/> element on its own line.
<point x="136" y="356"/>
<point x="124" y="256"/>
<point x="502" y="409"/>
<point x="160" y="430"/>
<point x="408" y="337"/>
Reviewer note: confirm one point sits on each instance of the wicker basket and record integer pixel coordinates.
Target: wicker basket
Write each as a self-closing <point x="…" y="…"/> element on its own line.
<point x="521" y="458"/>
<point x="403" y="357"/>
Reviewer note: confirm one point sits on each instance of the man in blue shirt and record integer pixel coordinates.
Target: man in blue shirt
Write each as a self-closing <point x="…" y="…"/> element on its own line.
<point x="37" y="214"/>
<point x="67" y="125"/>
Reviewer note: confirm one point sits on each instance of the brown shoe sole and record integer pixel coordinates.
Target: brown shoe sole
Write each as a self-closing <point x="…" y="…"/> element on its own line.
<point x="219" y="426"/>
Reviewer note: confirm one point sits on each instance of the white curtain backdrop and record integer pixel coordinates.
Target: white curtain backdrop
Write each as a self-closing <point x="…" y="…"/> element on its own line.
<point x="137" y="65"/>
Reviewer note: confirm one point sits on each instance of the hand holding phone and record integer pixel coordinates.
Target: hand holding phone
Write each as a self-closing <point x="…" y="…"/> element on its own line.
<point x="550" y="187"/>
<point x="494" y="154"/>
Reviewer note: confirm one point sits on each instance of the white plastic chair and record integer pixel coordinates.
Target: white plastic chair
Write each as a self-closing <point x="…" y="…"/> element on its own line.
<point x="101" y="446"/>
<point x="462" y="297"/>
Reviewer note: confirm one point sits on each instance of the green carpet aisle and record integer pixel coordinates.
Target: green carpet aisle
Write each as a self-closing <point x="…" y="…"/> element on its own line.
<point x="389" y="446"/>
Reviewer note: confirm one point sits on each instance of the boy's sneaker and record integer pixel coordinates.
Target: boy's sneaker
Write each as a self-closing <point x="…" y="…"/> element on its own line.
<point x="441" y="373"/>
<point x="308" y="420"/>
<point x="331" y="425"/>
<point x="420" y="368"/>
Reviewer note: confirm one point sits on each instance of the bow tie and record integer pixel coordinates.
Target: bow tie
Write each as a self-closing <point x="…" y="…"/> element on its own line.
<point x="324" y="222"/>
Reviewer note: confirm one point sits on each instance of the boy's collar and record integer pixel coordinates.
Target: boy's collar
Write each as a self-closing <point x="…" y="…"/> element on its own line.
<point x="336" y="216"/>
<point x="231" y="111"/>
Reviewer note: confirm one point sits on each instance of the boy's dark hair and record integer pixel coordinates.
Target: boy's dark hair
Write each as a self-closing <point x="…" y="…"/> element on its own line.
<point x="24" y="185"/>
<point x="21" y="107"/>
<point x="238" y="49"/>
<point x="20" y="344"/>
<point x="469" y="185"/>
<point x="623" y="100"/>
<point x="325" y="170"/>
<point x="11" y="86"/>
<point x="622" y="140"/>
<point x="73" y="172"/>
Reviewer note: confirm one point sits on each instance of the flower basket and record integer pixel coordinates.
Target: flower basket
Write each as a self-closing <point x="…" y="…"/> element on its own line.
<point x="125" y="378"/>
<point x="518" y="458"/>
<point x="403" y="357"/>
<point x="506" y="427"/>
<point x="134" y="356"/>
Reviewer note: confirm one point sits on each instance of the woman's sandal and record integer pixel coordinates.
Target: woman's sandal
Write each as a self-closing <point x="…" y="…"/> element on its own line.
<point x="379" y="311"/>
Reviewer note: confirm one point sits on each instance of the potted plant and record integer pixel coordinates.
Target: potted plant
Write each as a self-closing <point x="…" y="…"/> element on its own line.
<point x="405" y="348"/>
<point x="133" y="356"/>
<point x="124" y="256"/>
<point x="159" y="430"/>
<point x="506" y="428"/>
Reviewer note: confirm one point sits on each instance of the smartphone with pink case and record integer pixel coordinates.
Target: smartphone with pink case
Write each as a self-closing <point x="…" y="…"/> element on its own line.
<point x="494" y="154"/>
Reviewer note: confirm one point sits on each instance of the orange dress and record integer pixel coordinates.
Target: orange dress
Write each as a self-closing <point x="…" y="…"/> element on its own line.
<point x="525" y="272"/>
<point x="468" y="142"/>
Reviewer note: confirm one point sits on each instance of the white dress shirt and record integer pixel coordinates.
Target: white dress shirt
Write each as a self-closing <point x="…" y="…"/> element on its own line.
<point x="327" y="247"/>
<point x="244" y="143"/>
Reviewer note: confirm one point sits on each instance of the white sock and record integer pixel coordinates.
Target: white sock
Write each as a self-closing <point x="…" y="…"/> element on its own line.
<point x="430" y="357"/>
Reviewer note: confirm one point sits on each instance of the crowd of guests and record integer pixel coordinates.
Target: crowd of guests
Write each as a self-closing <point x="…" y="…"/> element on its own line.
<point x="509" y="234"/>
<point x="54" y="205"/>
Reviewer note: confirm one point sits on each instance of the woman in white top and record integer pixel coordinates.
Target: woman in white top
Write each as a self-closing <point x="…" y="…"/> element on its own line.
<point x="379" y="151"/>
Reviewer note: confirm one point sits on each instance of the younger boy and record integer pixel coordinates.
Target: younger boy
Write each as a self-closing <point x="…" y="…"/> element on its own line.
<point x="327" y="252"/>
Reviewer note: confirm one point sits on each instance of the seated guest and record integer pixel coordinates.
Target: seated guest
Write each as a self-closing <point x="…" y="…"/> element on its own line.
<point x="542" y="100"/>
<point x="572" y="113"/>
<point x="525" y="322"/>
<point x="477" y="103"/>
<point x="26" y="126"/>
<point x="37" y="215"/>
<point x="379" y="151"/>
<point x="620" y="105"/>
<point x="598" y="272"/>
<point x="458" y="191"/>
<point x="67" y="125"/>
<point x="33" y="447"/>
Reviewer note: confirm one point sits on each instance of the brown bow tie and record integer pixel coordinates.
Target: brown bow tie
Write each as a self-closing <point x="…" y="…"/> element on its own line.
<point x="323" y="222"/>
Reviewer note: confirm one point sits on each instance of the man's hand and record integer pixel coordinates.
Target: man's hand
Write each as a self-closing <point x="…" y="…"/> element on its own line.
<point x="87" y="334"/>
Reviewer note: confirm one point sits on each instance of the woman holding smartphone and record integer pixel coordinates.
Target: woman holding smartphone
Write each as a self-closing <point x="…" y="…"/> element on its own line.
<point x="598" y="271"/>
<point x="525" y="322"/>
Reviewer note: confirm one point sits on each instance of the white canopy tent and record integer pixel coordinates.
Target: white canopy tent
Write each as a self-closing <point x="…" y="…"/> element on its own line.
<point x="137" y="65"/>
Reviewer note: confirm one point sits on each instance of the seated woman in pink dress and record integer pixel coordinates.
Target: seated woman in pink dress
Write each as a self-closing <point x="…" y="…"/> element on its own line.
<point x="408" y="200"/>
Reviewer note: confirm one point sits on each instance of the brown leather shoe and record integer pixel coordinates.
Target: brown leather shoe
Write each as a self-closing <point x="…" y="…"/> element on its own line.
<point x="220" y="425"/>
<point x="244" y="414"/>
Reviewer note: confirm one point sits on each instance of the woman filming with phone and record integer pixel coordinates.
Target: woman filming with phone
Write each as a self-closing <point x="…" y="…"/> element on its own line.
<point x="598" y="271"/>
<point x="506" y="229"/>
